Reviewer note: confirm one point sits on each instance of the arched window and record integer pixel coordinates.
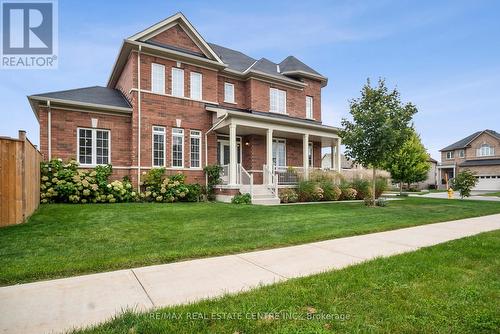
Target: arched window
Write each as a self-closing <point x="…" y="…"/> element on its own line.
<point x="485" y="150"/>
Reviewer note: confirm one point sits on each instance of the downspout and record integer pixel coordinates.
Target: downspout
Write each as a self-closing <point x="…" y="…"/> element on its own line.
<point x="206" y="144"/>
<point x="139" y="121"/>
<point x="49" y="131"/>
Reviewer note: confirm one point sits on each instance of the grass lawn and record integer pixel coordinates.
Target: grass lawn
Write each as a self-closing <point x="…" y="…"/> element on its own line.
<point x="63" y="239"/>
<point x="448" y="288"/>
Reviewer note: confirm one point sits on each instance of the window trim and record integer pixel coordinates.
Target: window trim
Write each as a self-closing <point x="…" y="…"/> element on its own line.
<point x="278" y="91"/>
<point x="178" y="70"/>
<point x="164" y="133"/>
<point x="198" y="136"/>
<point x="93" y="147"/>
<point x="491" y="150"/>
<point x="153" y="65"/>
<point x="182" y="147"/>
<point x="200" y="98"/>
<point x="310" y="98"/>
<point x="461" y="153"/>
<point x="228" y="84"/>
<point x="451" y="155"/>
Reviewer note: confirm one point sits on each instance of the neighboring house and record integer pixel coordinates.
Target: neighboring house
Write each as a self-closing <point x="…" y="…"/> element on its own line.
<point x="431" y="181"/>
<point x="480" y="153"/>
<point x="175" y="101"/>
<point x="350" y="169"/>
<point x="326" y="162"/>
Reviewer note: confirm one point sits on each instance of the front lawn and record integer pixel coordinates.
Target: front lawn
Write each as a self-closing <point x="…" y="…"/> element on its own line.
<point x="448" y="288"/>
<point x="69" y="239"/>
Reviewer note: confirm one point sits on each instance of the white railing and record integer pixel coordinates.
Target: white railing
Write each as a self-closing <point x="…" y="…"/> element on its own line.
<point x="289" y="175"/>
<point x="271" y="180"/>
<point x="245" y="179"/>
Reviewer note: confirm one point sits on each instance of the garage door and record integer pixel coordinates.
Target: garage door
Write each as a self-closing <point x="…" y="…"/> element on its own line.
<point x="489" y="182"/>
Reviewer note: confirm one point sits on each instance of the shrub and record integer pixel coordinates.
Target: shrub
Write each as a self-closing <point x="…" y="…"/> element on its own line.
<point x="331" y="192"/>
<point x="309" y="191"/>
<point x="362" y="187"/>
<point x="159" y="188"/>
<point x="64" y="183"/>
<point x="381" y="185"/>
<point x="381" y="202"/>
<point x="242" y="199"/>
<point x="322" y="176"/>
<point x="464" y="182"/>
<point x="349" y="194"/>
<point x="194" y="193"/>
<point x="212" y="173"/>
<point x="288" y="195"/>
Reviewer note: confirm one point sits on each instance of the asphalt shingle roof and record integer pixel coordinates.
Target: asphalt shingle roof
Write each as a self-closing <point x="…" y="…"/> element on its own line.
<point x="464" y="142"/>
<point x="481" y="162"/>
<point x="293" y="64"/>
<point x="235" y="60"/>
<point x="96" y="95"/>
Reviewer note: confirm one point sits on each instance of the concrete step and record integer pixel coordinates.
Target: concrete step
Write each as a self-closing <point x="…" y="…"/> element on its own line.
<point x="266" y="201"/>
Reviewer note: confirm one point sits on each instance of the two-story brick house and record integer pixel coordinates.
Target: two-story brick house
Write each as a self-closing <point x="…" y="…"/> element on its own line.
<point x="480" y="153"/>
<point x="175" y="101"/>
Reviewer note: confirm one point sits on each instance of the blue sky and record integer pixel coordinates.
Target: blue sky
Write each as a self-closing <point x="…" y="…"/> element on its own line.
<point x="442" y="55"/>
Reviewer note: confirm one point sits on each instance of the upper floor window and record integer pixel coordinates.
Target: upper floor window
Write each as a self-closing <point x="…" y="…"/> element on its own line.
<point x="228" y="92"/>
<point x="157" y="78"/>
<point x="158" y="146"/>
<point x="177" y="147"/>
<point x="195" y="148"/>
<point x="309" y="107"/>
<point x="177" y="82"/>
<point x="485" y="150"/>
<point x="196" y="85"/>
<point x="461" y="154"/>
<point x="450" y="155"/>
<point x="277" y="99"/>
<point x="93" y="146"/>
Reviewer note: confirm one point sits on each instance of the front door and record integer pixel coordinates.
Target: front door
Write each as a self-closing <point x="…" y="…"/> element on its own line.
<point x="223" y="150"/>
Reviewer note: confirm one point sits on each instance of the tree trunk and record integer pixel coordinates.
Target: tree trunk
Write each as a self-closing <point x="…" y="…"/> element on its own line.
<point x="373" y="187"/>
<point x="400" y="188"/>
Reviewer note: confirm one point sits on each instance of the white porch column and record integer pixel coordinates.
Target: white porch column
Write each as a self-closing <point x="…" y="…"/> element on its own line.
<point x="269" y="153"/>
<point x="305" y="155"/>
<point x="333" y="154"/>
<point x="338" y="164"/>
<point x="232" y="154"/>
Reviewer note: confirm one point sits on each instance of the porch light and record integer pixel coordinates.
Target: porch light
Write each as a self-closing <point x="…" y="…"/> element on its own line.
<point x="247" y="143"/>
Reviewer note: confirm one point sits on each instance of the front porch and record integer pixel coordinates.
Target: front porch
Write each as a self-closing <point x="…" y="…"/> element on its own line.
<point x="257" y="154"/>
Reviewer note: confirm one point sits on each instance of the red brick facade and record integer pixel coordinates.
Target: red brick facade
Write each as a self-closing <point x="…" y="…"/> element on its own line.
<point x="172" y="112"/>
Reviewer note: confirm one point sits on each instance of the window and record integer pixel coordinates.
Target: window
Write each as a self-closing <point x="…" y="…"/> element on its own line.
<point x="157" y="78"/>
<point x="93" y="146"/>
<point x="310" y="154"/>
<point x="485" y="151"/>
<point x="228" y="92"/>
<point x="450" y="155"/>
<point x="277" y="100"/>
<point x="461" y="154"/>
<point x="158" y="146"/>
<point x="177" y="147"/>
<point x="177" y="82"/>
<point x="195" y="149"/>
<point x="309" y="107"/>
<point x="279" y="152"/>
<point x="196" y="86"/>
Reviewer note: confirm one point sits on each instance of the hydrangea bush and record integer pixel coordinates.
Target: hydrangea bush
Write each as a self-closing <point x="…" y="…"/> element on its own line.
<point x="65" y="183"/>
<point x="161" y="188"/>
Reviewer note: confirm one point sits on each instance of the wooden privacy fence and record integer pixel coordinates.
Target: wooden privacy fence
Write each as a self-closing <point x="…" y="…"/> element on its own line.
<point x="19" y="179"/>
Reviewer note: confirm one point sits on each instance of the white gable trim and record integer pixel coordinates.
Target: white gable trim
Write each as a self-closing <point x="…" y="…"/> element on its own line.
<point x="170" y="22"/>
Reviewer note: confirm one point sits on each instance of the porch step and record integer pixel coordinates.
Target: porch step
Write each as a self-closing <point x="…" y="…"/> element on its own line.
<point x="261" y="195"/>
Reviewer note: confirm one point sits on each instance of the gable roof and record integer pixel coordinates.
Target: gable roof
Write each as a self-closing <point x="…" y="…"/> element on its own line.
<point x="235" y="60"/>
<point x="91" y="96"/>
<point x="463" y="143"/>
<point x="169" y="22"/>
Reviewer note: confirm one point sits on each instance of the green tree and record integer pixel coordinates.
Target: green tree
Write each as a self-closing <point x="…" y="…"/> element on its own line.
<point x="410" y="164"/>
<point x="381" y="122"/>
<point x="464" y="182"/>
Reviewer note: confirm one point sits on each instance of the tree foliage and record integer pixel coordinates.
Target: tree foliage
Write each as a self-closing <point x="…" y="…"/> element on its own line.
<point x="381" y="123"/>
<point x="464" y="182"/>
<point x="410" y="164"/>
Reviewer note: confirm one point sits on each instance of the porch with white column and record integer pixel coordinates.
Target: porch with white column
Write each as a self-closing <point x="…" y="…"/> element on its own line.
<point x="305" y="155"/>
<point x="233" y="160"/>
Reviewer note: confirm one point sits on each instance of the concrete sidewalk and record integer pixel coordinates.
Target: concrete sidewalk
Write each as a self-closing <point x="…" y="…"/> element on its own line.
<point x="59" y="305"/>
